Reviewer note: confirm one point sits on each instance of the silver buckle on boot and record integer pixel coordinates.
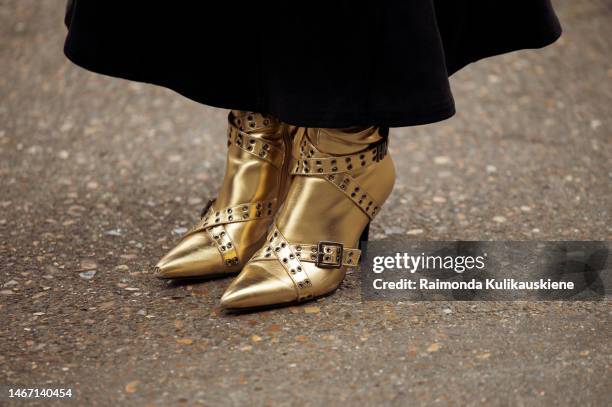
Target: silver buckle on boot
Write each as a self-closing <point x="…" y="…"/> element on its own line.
<point x="206" y="208"/>
<point x="327" y="257"/>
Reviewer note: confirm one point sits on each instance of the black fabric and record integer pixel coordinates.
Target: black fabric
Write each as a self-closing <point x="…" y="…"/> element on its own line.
<point x="310" y="63"/>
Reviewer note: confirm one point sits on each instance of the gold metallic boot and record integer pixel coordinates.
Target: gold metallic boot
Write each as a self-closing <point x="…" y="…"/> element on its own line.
<point x="340" y="180"/>
<point x="234" y="226"/>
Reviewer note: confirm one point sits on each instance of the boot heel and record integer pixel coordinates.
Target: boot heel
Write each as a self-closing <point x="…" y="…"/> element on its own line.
<point x="364" y="235"/>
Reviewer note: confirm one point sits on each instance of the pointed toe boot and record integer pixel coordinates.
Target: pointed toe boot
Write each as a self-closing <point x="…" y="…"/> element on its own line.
<point x="234" y="225"/>
<point x="340" y="179"/>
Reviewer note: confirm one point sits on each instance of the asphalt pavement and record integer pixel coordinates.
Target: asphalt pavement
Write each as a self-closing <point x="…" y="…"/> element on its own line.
<point x="100" y="176"/>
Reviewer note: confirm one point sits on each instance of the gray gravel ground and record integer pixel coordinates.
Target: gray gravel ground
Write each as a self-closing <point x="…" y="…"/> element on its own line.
<point x="99" y="174"/>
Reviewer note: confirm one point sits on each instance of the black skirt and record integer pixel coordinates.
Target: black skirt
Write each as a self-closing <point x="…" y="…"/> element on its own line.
<point x="309" y="63"/>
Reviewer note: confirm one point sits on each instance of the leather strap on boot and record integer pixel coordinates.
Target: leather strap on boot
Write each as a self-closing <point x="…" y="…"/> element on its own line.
<point x="337" y="170"/>
<point x="327" y="255"/>
<point x="238" y="136"/>
<point x="213" y="221"/>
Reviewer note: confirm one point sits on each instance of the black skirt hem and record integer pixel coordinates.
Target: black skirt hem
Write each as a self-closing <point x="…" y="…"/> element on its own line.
<point x="426" y="115"/>
<point x="405" y="118"/>
<point x="409" y="117"/>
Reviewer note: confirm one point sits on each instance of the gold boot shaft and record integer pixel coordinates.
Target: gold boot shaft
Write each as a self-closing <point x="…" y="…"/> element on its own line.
<point x="311" y="197"/>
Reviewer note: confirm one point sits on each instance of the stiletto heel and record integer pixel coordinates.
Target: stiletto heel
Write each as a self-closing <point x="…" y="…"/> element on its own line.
<point x="364" y="235"/>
